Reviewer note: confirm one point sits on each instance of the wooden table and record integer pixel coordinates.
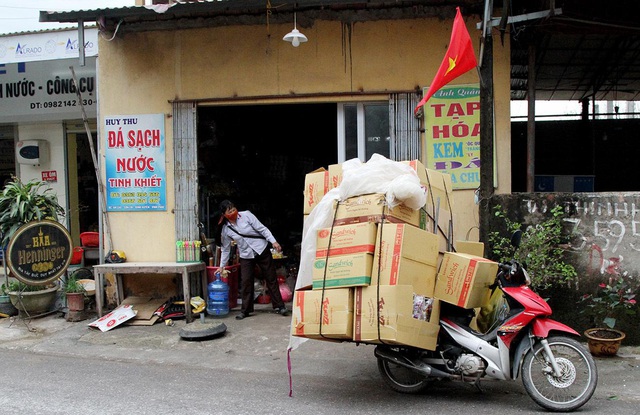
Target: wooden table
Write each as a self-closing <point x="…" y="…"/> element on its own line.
<point x="184" y="269"/>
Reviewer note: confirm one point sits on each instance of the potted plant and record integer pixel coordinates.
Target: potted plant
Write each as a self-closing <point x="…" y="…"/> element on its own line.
<point x="5" y="302"/>
<point x="75" y="292"/>
<point x="611" y="301"/>
<point x="32" y="300"/>
<point x="21" y="203"/>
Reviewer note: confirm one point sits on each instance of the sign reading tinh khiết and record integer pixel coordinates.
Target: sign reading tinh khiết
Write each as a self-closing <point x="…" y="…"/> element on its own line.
<point x="452" y="121"/>
<point x="39" y="252"/>
<point x="135" y="163"/>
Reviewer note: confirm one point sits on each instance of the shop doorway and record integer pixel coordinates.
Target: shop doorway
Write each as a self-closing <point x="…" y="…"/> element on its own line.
<point x="83" y="186"/>
<point x="258" y="155"/>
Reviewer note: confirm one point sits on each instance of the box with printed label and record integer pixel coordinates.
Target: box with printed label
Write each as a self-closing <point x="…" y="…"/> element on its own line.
<point x="464" y="279"/>
<point x="371" y="208"/>
<point x="342" y="271"/>
<point x="335" y="175"/>
<point x="346" y="239"/>
<point x="405" y="255"/>
<point x="316" y="185"/>
<point x="324" y="314"/>
<point x="395" y="314"/>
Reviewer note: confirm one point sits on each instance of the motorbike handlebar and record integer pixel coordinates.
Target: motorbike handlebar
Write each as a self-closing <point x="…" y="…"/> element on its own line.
<point x="512" y="274"/>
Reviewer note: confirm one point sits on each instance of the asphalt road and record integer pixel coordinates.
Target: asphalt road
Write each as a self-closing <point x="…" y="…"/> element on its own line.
<point x="51" y="366"/>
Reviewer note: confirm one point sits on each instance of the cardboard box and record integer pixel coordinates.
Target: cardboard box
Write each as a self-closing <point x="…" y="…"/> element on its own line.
<point x="405" y="255"/>
<point x="395" y="315"/>
<point x="470" y="247"/>
<point x="437" y="182"/>
<point x="371" y="207"/>
<point x="316" y="185"/>
<point x="440" y="189"/>
<point x="439" y="206"/>
<point x="318" y="315"/>
<point x="342" y="271"/>
<point x="464" y="279"/>
<point x="335" y="175"/>
<point x="346" y="239"/>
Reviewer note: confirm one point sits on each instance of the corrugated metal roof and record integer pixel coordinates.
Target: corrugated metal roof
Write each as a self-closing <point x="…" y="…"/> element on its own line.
<point x="48" y="30"/>
<point x="590" y="50"/>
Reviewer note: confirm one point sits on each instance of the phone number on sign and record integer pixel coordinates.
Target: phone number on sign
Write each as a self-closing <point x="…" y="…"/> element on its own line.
<point x="60" y="104"/>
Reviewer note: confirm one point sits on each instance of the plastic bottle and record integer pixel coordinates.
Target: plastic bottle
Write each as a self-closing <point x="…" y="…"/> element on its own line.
<point x="218" y="297"/>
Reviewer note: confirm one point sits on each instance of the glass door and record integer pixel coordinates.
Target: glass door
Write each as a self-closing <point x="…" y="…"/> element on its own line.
<point x="363" y="130"/>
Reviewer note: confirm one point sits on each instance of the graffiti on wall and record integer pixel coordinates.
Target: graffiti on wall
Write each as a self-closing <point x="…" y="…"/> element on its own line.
<point x="603" y="230"/>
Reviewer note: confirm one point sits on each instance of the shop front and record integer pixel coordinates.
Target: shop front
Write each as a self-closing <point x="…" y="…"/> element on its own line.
<point x="43" y="135"/>
<point x="245" y="115"/>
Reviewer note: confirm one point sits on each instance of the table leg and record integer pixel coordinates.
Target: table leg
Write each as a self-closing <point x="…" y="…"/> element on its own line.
<point x="186" y="291"/>
<point x="97" y="276"/>
<point x="119" y="289"/>
<point x="203" y="286"/>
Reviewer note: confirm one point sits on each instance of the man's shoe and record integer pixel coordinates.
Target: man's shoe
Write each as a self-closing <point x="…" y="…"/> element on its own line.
<point x="242" y="315"/>
<point x="283" y="311"/>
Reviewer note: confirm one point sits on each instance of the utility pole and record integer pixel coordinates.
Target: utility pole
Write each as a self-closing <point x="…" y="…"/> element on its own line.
<point x="486" y="134"/>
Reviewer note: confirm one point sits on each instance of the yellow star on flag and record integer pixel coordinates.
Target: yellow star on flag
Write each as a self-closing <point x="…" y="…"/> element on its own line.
<point x="452" y="65"/>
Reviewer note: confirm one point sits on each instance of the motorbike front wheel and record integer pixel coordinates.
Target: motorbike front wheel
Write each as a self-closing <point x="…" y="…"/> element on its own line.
<point x="576" y="383"/>
<point x="402" y="379"/>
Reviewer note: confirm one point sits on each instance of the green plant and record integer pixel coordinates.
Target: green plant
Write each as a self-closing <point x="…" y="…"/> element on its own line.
<point x="540" y="251"/>
<point x="20" y="287"/>
<point x="73" y="285"/>
<point x="22" y="203"/>
<point x="611" y="301"/>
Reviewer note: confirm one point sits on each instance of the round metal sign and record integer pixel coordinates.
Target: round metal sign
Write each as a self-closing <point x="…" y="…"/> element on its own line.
<point x="39" y="252"/>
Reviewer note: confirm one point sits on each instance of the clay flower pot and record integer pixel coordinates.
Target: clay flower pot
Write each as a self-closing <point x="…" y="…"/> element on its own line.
<point x="604" y="341"/>
<point x="75" y="301"/>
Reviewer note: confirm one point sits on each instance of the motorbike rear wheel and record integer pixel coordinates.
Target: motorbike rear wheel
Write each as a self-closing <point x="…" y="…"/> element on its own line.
<point x="402" y="379"/>
<point x="576" y="383"/>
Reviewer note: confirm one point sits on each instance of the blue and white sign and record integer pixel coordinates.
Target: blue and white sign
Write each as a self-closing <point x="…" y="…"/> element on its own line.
<point x="135" y="163"/>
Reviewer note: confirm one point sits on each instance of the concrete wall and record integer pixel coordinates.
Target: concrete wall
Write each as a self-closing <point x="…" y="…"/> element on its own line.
<point x="603" y="230"/>
<point x="140" y="73"/>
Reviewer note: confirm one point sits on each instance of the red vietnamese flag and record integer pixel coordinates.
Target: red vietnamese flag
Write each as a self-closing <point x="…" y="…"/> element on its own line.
<point x="458" y="60"/>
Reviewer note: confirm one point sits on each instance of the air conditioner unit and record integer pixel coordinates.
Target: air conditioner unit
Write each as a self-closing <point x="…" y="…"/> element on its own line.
<point x="33" y="152"/>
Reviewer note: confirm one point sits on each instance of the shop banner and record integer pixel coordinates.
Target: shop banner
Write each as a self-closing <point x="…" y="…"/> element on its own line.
<point x="452" y="129"/>
<point x="135" y="163"/>
<point x="47" y="45"/>
<point x="45" y="91"/>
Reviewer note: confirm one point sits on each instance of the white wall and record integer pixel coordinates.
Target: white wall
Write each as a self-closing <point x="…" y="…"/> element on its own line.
<point x="54" y="134"/>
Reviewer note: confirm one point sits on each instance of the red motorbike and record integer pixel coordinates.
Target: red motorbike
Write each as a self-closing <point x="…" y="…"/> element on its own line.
<point x="557" y="371"/>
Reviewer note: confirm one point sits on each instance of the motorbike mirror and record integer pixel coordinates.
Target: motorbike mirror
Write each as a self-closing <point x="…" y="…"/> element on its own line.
<point x="516" y="238"/>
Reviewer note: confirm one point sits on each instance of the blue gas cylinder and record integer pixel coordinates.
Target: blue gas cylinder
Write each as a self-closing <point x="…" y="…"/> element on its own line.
<point x="218" y="297"/>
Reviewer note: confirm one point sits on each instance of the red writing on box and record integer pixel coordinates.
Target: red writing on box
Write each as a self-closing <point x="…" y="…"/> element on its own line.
<point x="50" y="176"/>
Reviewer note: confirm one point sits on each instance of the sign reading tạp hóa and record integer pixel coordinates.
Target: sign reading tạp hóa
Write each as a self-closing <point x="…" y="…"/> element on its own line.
<point x="39" y="252"/>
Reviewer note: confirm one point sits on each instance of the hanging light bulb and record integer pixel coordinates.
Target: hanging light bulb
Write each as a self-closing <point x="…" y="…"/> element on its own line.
<point x="294" y="36"/>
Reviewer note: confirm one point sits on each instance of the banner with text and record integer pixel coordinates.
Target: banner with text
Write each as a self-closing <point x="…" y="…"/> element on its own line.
<point x="452" y="129"/>
<point x="135" y="163"/>
<point x="45" y="91"/>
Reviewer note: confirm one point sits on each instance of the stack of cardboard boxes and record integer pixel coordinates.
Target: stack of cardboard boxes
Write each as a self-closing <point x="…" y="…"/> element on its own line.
<point x="380" y="273"/>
